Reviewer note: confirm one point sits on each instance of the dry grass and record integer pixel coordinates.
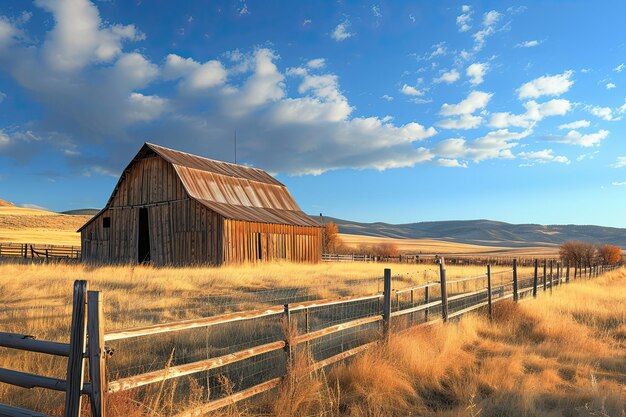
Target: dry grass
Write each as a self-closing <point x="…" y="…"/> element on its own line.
<point x="36" y="298"/>
<point x="563" y="355"/>
<point x="24" y="225"/>
<point x="560" y="355"/>
<point x="444" y="247"/>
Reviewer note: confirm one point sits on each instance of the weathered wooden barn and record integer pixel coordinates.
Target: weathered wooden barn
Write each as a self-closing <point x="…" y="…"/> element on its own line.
<point x="174" y="208"/>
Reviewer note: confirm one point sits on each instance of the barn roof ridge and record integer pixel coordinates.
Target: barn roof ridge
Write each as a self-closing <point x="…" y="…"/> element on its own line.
<point x="203" y="163"/>
<point x="234" y="191"/>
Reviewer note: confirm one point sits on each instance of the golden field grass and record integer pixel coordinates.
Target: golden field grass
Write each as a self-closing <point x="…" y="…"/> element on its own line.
<point x="559" y="355"/>
<point x="35" y="300"/>
<point x="441" y="247"/>
<point x="25" y="225"/>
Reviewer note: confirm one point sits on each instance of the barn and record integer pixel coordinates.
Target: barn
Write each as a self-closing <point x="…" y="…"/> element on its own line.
<point x="175" y="208"/>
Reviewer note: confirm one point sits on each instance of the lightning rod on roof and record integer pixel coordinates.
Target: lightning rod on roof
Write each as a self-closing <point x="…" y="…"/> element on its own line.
<point x="235" y="146"/>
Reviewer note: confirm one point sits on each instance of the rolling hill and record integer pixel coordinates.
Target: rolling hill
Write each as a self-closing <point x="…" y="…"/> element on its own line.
<point x="486" y="232"/>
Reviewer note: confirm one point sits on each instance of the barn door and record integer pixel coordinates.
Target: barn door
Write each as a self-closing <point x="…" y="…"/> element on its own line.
<point x="143" y="236"/>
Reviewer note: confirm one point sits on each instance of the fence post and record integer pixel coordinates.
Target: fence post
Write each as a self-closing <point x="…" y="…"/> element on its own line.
<point x="489" y="291"/>
<point x="551" y="275"/>
<point x="426" y="301"/>
<point x="515" y="294"/>
<point x="97" y="358"/>
<point x="544" y="274"/>
<point x="444" y="289"/>
<point x="287" y="331"/>
<point x="535" y="280"/>
<point x="76" y="363"/>
<point x="387" y="304"/>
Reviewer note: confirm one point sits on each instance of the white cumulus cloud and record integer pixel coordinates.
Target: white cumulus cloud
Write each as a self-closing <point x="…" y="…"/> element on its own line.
<point x="535" y="112"/>
<point x="477" y="72"/>
<point x="547" y="85"/>
<point x="410" y="90"/>
<point x="543" y="156"/>
<point x="341" y="32"/>
<point x="448" y="77"/>
<point x="574" y="137"/>
<point x="475" y="100"/>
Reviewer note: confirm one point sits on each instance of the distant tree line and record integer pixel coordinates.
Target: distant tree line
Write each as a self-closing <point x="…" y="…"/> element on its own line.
<point x="584" y="253"/>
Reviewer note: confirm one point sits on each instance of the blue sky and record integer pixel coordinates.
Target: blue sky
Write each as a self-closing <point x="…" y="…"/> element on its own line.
<point x="371" y="111"/>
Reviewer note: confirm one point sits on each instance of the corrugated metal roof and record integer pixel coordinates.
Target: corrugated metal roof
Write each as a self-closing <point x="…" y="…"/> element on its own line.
<point x="235" y="191"/>
<point x="210" y="165"/>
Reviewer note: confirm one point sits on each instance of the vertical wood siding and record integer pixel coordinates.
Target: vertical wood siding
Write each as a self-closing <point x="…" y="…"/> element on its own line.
<point x="183" y="231"/>
<point x="245" y="241"/>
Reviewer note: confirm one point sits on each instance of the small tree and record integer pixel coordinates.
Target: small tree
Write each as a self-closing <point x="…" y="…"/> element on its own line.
<point x="330" y="238"/>
<point x="576" y="252"/>
<point x="609" y="254"/>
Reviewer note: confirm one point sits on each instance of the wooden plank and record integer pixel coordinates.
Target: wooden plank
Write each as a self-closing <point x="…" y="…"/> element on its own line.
<point x="97" y="359"/>
<point x="78" y="339"/>
<point x="417" y="287"/>
<point x="191" y="368"/>
<point x="415" y="309"/>
<point x="341" y="356"/>
<point x="336" y="328"/>
<point x="466" y="294"/>
<point x="468" y="309"/>
<point x="191" y="324"/>
<point x="12" y="411"/>
<point x="26" y="380"/>
<point x="29" y="343"/>
<point x="231" y="399"/>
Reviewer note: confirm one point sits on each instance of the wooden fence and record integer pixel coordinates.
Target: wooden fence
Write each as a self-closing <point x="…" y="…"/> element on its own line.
<point x="420" y="258"/>
<point x="399" y="310"/>
<point x="38" y="252"/>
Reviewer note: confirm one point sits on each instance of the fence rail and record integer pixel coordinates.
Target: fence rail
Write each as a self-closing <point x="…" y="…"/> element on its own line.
<point x="420" y="258"/>
<point x="397" y="310"/>
<point x="38" y="252"/>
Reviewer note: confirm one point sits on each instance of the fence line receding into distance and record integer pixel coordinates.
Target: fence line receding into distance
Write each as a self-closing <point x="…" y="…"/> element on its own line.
<point x="294" y="328"/>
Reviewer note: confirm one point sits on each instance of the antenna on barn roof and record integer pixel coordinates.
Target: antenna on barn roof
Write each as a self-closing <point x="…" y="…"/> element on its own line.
<point x="235" y="146"/>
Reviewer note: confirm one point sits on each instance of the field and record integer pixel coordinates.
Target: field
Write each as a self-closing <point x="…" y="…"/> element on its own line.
<point x="562" y="355"/>
<point x="35" y="300"/>
<point x="433" y="246"/>
<point x="544" y="356"/>
<point x="24" y="225"/>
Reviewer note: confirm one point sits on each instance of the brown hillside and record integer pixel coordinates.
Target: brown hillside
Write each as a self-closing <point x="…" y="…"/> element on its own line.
<point x="4" y="203"/>
<point x="24" y="225"/>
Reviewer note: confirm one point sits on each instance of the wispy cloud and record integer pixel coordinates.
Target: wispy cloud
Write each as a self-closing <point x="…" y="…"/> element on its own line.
<point x="528" y="44"/>
<point x="620" y="163"/>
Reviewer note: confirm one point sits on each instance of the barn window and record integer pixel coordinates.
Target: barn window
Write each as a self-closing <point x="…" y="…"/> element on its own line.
<point x="106" y="222"/>
<point x="259" y="247"/>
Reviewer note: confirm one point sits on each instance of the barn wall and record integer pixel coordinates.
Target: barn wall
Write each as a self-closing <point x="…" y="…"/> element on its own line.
<point x="118" y="243"/>
<point x="150" y="180"/>
<point x="260" y="242"/>
<point x="196" y="235"/>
